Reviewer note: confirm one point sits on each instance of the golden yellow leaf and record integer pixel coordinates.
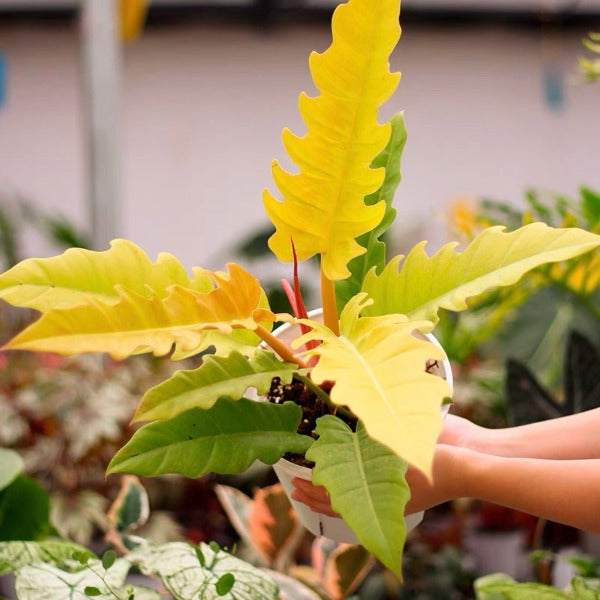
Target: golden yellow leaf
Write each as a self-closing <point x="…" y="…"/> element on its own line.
<point x="77" y="276"/>
<point x="378" y="366"/>
<point x="323" y="209"/>
<point x="137" y="324"/>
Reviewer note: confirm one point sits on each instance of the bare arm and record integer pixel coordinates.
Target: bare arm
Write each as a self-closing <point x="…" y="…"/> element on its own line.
<point x="566" y="491"/>
<point x="572" y="437"/>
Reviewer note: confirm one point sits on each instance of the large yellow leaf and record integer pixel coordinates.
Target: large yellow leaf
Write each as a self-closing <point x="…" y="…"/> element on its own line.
<point x="137" y="323"/>
<point x="378" y="366"/>
<point x="77" y="276"/>
<point x="323" y="209"/>
<point x="449" y="278"/>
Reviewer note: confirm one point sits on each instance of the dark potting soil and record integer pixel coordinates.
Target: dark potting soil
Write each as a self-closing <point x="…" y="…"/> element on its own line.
<point x="313" y="407"/>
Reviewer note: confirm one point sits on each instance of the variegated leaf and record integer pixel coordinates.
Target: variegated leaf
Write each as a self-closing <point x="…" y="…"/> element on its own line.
<point x="323" y="209"/>
<point x="449" y="278"/>
<point x="138" y="323"/>
<point x="227" y="376"/>
<point x="378" y="366"/>
<point x="77" y="276"/>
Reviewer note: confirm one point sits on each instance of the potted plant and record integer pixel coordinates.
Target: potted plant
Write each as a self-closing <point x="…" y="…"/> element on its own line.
<point x="383" y="405"/>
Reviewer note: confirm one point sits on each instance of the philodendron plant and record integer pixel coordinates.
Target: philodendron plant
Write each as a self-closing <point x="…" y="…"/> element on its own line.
<point x="337" y="206"/>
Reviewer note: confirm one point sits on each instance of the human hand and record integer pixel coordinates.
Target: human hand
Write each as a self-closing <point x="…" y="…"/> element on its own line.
<point x="315" y="497"/>
<point x="445" y="485"/>
<point x="459" y="431"/>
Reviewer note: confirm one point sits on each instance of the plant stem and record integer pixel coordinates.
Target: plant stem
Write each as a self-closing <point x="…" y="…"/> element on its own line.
<point x="330" y="316"/>
<point x="279" y="347"/>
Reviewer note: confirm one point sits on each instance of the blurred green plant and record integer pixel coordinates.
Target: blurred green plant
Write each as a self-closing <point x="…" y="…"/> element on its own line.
<point x="589" y="68"/>
<point x="24" y="504"/>
<point x="530" y="320"/>
<point x="584" y="586"/>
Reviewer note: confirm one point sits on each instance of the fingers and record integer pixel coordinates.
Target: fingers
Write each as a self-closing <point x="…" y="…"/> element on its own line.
<point x="315" y="497"/>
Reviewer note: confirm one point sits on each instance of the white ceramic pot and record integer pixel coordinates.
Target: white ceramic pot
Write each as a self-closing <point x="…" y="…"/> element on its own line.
<point x="317" y="523"/>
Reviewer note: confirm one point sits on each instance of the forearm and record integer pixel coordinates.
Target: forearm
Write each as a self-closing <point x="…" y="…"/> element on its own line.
<point x="566" y="491"/>
<point x="572" y="437"/>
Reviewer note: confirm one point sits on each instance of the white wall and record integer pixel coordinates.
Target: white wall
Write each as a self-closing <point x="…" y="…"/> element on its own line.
<point x="203" y="107"/>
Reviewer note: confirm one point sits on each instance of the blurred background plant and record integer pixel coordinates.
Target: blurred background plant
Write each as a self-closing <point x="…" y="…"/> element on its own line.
<point x="530" y="321"/>
<point x="589" y="68"/>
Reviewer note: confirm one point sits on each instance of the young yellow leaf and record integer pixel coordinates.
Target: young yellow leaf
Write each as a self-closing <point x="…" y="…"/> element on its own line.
<point x="378" y="366"/>
<point x="76" y="276"/>
<point x="323" y="209"/>
<point x="137" y="324"/>
<point x="449" y="278"/>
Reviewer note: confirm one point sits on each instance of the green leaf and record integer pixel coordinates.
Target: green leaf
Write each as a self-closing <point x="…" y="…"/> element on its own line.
<point x="11" y="464"/>
<point x="448" y="279"/>
<point x="24" y="510"/>
<point x="184" y="577"/>
<point x="366" y="484"/>
<point x="90" y="590"/>
<point x="590" y="205"/>
<point x="225" y="584"/>
<point x="389" y="159"/>
<point x="108" y="559"/>
<point x="14" y="555"/>
<point x="228" y="376"/>
<point x="131" y="507"/>
<point x="226" y="438"/>
<point x="499" y="586"/>
<point x="77" y="276"/>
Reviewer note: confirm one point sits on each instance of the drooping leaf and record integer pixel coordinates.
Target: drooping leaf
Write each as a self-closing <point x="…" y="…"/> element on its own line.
<point x="345" y="569"/>
<point x="226" y="438"/>
<point x="378" y="366"/>
<point x="323" y="209"/>
<point x="217" y="376"/>
<point x="24" y="510"/>
<point x="375" y="256"/>
<point x="184" y="576"/>
<point x="366" y="484"/>
<point x="273" y="523"/>
<point x="17" y="554"/>
<point x="139" y="323"/>
<point x="11" y="464"/>
<point x="449" y="278"/>
<point x="529" y="402"/>
<point x="237" y="508"/>
<point x="130" y="509"/>
<point x="582" y="375"/>
<point x="77" y="276"/>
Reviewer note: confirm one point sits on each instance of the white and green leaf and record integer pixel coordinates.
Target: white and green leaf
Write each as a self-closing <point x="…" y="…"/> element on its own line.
<point x="186" y="576"/>
<point x="17" y="554"/>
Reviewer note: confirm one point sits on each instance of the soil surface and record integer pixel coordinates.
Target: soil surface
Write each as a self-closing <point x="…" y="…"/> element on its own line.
<point x="314" y="407"/>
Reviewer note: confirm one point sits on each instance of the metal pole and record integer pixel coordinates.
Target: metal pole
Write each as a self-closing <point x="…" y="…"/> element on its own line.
<point x="101" y="76"/>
